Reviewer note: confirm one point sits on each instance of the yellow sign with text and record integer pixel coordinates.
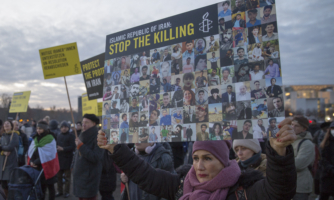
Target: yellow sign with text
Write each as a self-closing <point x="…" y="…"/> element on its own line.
<point x="60" y="61"/>
<point x="20" y="102"/>
<point x="88" y="107"/>
<point x="99" y="109"/>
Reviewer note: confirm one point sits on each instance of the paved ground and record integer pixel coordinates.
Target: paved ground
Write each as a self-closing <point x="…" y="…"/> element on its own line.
<point x="116" y="194"/>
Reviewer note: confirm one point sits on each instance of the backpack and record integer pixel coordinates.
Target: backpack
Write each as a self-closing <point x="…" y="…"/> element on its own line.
<point x="310" y="166"/>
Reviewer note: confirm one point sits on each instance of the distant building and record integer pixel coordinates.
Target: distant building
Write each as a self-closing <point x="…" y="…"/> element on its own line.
<point x="313" y="101"/>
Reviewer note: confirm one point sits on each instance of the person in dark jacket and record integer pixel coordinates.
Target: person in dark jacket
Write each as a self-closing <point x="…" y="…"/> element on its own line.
<point x="189" y="133"/>
<point x="327" y="165"/>
<point x="213" y="175"/>
<point x="156" y="156"/>
<point x="42" y="135"/>
<point x="108" y="177"/>
<point x="8" y="148"/>
<point x="33" y="125"/>
<point x="24" y="142"/>
<point x="88" y="160"/>
<point x="244" y="134"/>
<point x="273" y="90"/>
<point x="53" y="126"/>
<point x="313" y="127"/>
<point x="65" y="148"/>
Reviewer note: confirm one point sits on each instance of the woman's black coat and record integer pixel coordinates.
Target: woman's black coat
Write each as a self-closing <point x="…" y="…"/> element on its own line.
<point x="67" y="141"/>
<point x="327" y="168"/>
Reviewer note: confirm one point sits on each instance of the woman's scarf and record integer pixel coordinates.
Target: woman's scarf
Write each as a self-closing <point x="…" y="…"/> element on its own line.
<point x="251" y="160"/>
<point x="214" y="189"/>
<point x="42" y="142"/>
<point x="11" y="131"/>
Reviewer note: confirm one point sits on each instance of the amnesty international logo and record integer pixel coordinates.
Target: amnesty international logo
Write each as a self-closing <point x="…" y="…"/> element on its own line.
<point x="206" y="24"/>
<point x="76" y="69"/>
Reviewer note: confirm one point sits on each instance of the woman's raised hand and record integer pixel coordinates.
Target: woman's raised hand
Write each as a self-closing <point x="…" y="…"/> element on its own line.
<point x="285" y="136"/>
<point x="103" y="143"/>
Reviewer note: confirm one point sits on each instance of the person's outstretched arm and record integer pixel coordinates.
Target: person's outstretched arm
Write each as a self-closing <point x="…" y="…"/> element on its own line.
<point x="281" y="180"/>
<point x="158" y="182"/>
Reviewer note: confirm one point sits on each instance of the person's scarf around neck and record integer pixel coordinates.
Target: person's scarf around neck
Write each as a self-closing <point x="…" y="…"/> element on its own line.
<point x="89" y="136"/>
<point x="12" y="131"/>
<point x="216" y="188"/>
<point x="251" y="160"/>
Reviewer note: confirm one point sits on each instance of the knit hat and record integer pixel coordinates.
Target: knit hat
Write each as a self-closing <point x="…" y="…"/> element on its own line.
<point x="64" y="123"/>
<point x="92" y="117"/>
<point x="332" y="125"/>
<point x="220" y="149"/>
<point x="252" y="144"/>
<point x="302" y="121"/>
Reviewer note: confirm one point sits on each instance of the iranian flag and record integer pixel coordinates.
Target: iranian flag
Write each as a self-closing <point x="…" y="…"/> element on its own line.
<point x="47" y="150"/>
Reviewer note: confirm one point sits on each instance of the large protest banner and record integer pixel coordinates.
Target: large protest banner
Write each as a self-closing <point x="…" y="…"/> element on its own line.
<point x="88" y="106"/>
<point x="20" y="102"/>
<point x="60" y="61"/>
<point x="93" y="74"/>
<point x="209" y="74"/>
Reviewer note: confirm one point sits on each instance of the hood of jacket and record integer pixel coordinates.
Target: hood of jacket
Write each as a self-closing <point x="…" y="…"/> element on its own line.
<point x="159" y="150"/>
<point x="53" y="124"/>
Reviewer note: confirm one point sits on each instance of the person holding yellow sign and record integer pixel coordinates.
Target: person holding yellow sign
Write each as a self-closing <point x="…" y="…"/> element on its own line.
<point x="9" y="145"/>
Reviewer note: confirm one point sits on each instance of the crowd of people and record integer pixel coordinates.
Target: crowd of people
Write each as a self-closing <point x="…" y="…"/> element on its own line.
<point x="298" y="162"/>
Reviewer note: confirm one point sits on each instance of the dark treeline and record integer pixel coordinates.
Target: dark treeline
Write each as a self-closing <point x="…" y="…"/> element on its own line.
<point x="40" y="113"/>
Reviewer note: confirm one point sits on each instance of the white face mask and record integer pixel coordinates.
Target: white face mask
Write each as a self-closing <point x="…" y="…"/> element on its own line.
<point x="332" y="132"/>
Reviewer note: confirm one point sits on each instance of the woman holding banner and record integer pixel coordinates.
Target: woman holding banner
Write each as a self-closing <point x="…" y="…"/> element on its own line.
<point x="8" y="156"/>
<point x="213" y="175"/>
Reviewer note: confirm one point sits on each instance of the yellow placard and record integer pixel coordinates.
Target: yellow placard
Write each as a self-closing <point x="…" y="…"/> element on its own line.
<point x="60" y="61"/>
<point x="88" y="107"/>
<point x="19" y="102"/>
<point x="99" y="109"/>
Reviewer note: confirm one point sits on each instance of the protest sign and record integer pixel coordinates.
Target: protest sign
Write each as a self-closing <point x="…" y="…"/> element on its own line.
<point x="88" y="107"/>
<point x="60" y="61"/>
<point x="19" y="102"/>
<point x="213" y="73"/>
<point x="93" y="74"/>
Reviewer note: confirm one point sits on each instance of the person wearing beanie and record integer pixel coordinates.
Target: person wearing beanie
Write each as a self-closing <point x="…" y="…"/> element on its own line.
<point x="213" y="175"/>
<point x="327" y="163"/>
<point x="250" y="155"/>
<point x="65" y="149"/>
<point x="87" y="166"/>
<point x="42" y="154"/>
<point x="53" y="126"/>
<point x="304" y="153"/>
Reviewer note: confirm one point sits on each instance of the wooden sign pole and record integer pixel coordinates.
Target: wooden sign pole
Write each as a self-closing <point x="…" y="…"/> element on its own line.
<point x="127" y="189"/>
<point x="69" y="101"/>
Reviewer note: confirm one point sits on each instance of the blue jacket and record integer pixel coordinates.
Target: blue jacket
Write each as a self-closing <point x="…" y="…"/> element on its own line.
<point x="225" y="97"/>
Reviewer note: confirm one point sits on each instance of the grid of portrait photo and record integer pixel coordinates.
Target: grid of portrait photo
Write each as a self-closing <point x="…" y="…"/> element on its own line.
<point x="221" y="87"/>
